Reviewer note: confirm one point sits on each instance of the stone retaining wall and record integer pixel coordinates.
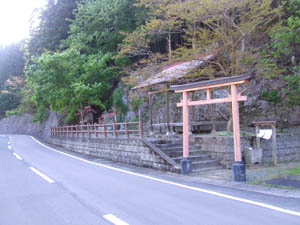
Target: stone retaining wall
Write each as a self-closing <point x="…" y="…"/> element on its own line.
<point x="130" y="151"/>
<point x="222" y="150"/>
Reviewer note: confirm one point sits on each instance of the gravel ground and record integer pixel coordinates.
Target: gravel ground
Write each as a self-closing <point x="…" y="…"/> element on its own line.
<point x="260" y="178"/>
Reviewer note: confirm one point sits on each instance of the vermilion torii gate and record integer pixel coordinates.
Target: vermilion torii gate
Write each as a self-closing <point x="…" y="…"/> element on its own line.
<point x="238" y="167"/>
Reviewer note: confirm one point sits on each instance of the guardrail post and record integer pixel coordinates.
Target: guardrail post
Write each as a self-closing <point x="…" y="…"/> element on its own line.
<point x="104" y="130"/>
<point x="95" y="128"/>
<point x="115" y="129"/>
<point x="81" y="129"/>
<point x="126" y="129"/>
<point x="141" y="125"/>
<point x="89" y="133"/>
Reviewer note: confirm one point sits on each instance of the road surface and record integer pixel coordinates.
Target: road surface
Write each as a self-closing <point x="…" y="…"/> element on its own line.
<point x="41" y="186"/>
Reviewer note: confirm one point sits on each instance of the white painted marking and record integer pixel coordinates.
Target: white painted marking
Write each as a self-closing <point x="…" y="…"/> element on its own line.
<point x="17" y="156"/>
<point x="9" y="147"/>
<point x="114" y="220"/>
<point x="180" y="185"/>
<point x="9" y="142"/>
<point x="42" y="175"/>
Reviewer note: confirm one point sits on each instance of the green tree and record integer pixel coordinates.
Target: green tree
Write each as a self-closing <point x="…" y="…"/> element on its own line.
<point x="67" y="81"/>
<point x="11" y="77"/>
<point x="84" y="70"/>
<point x="53" y="26"/>
<point x="98" y="25"/>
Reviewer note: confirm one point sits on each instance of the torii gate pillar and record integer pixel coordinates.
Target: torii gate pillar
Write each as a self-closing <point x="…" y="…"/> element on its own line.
<point x="185" y="162"/>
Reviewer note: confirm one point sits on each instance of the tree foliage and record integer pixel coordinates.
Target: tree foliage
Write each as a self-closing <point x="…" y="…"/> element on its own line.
<point x="83" y="71"/>
<point x="54" y="23"/>
<point x="11" y="77"/>
<point x="284" y="51"/>
<point x="80" y="49"/>
<point x="67" y="81"/>
<point x="229" y="28"/>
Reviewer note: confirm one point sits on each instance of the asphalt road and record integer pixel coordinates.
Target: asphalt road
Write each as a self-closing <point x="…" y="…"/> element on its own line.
<point x="41" y="186"/>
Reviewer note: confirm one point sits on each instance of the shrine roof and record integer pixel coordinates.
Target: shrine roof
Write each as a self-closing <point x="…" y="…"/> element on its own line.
<point x="219" y="81"/>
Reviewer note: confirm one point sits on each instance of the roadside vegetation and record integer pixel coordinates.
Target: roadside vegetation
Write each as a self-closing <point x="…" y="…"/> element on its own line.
<point x="81" y="50"/>
<point x="284" y="175"/>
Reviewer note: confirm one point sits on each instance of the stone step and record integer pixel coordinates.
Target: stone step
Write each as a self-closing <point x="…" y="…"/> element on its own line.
<point x="199" y="170"/>
<point x="171" y="149"/>
<point x="161" y="142"/>
<point x="204" y="164"/>
<point x="178" y="153"/>
<point x="193" y="158"/>
<point x="169" y="145"/>
<point x="178" y="148"/>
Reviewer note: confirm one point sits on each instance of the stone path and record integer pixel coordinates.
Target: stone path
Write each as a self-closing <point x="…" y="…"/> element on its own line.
<point x="254" y="173"/>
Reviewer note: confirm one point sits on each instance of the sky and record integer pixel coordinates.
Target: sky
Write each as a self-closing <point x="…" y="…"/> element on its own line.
<point x="14" y="19"/>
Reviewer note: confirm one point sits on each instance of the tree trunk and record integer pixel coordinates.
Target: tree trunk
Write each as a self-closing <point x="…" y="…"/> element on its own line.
<point x="194" y="37"/>
<point x="233" y="60"/>
<point x="170" y="45"/>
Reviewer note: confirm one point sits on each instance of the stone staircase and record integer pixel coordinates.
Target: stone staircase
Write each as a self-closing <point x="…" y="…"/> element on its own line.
<point x="200" y="160"/>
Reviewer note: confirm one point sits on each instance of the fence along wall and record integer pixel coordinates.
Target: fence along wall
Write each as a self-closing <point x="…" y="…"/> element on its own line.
<point x="97" y="130"/>
<point x="125" y="150"/>
<point x="120" y="142"/>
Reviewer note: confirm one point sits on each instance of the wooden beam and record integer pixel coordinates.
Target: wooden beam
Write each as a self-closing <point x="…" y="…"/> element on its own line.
<point x="159" y="91"/>
<point x="212" y="101"/>
<point x="224" y="81"/>
<point x="150" y="112"/>
<point x="274" y="147"/>
<point x="168" y="110"/>
<point x="211" y="86"/>
<point x="257" y="138"/>
<point x="264" y="123"/>
<point x="212" y="118"/>
<point x="193" y="109"/>
<point x="208" y="94"/>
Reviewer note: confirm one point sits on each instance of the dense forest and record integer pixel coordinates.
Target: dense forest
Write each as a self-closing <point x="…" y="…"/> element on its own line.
<point x="82" y="49"/>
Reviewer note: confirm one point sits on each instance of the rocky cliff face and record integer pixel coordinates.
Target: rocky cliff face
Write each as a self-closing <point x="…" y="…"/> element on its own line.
<point x="254" y="109"/>
<point x="22" y="124"/>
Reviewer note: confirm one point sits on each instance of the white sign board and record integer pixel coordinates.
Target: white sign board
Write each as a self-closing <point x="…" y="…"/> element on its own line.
<point x="265" y="134"/>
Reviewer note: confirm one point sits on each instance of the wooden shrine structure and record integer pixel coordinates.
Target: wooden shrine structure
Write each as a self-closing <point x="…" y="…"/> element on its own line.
<point x="234" y="97"/>
<point x="175" y="74"/>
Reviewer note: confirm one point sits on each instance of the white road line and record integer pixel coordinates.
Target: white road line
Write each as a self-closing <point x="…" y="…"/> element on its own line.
<point x="17" y="156"/>
<point x="42" y="175"/>
<point x="114" y="220"/>
<point x="8" y="143"/>
<point x="268" y="206"/>
<point x="9" y="147"/>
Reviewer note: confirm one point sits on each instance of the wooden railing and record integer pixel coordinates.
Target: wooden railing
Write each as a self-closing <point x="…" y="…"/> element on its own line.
<point x="95" y="130"/>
